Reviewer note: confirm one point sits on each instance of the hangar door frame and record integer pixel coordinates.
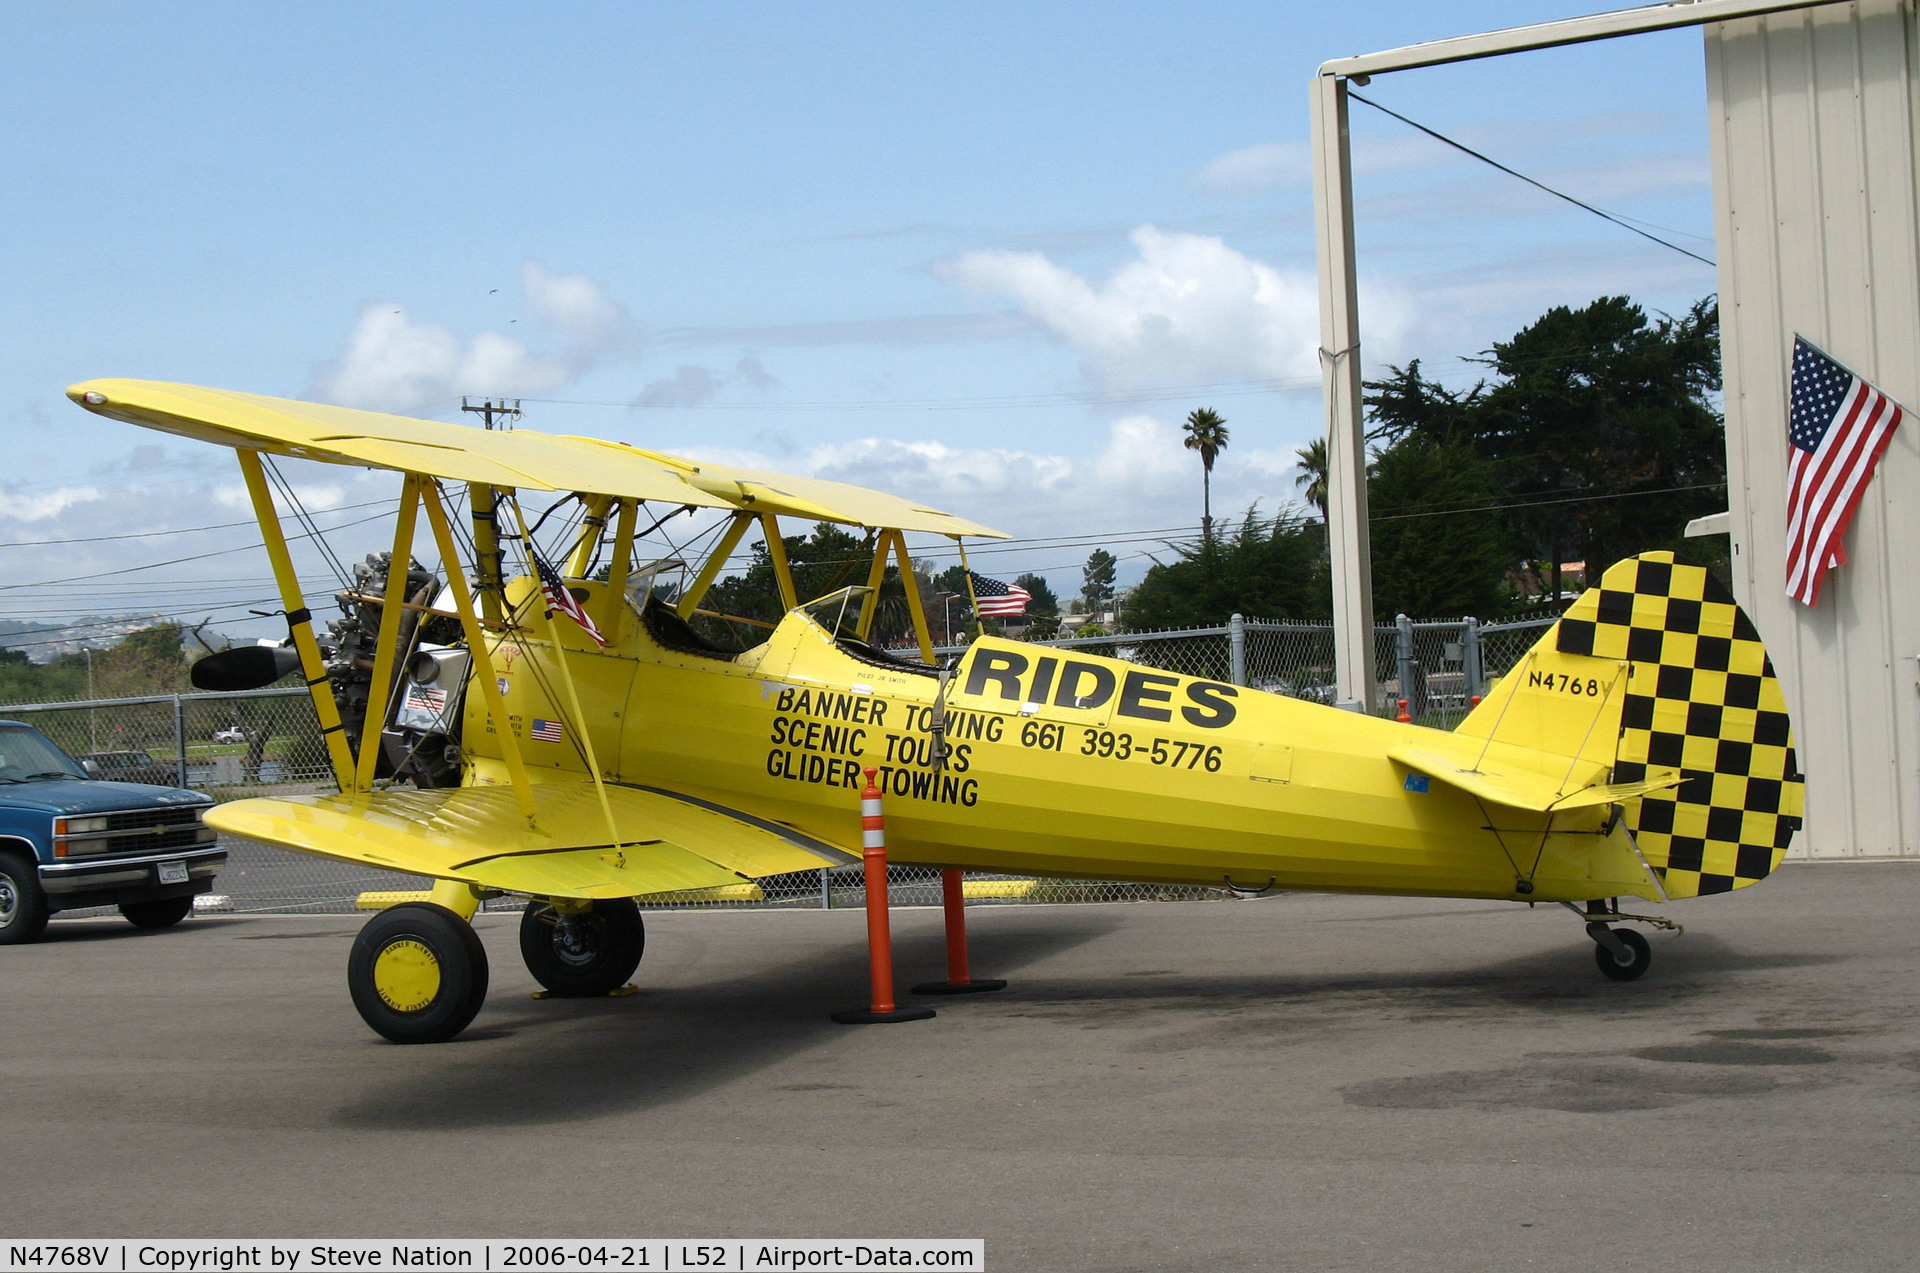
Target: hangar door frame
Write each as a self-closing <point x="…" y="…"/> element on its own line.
<point x="1814" y="124"/>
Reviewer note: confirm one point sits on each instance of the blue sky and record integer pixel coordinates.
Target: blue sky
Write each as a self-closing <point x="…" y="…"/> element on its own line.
<point x="986" y="256"/>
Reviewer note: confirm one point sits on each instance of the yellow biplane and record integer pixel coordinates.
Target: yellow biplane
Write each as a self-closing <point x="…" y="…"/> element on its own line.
<point x="576" y="737"/>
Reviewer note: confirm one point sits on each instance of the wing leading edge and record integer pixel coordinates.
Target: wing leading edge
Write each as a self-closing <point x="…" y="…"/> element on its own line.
<point x="477" y="835"/>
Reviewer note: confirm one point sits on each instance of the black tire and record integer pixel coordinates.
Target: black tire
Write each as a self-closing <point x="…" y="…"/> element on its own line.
<point x="23" y="903"/>
<point x="1635" y="967"/>
<point x="418" y="973"/>
<point x="157" y="914"/>
<point x="586" y="955"/>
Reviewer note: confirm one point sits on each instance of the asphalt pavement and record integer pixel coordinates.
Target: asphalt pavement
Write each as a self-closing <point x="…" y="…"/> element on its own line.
<point x="1300" y="1082"/>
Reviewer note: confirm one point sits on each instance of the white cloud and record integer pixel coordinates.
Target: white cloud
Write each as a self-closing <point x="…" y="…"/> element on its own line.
<point x="314" y="498"/>
<point x="689" y="386"/>
<point x="1187" y="308"/>
<point x="1261" y="167"/>
<point x="1139" y="475"/>
<point x="393" y="363"/>
<point x="573" y="304"/>
<point x="40" y="507"/>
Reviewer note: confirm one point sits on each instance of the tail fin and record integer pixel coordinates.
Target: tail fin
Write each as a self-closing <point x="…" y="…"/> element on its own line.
<point x="1701" y="697"/>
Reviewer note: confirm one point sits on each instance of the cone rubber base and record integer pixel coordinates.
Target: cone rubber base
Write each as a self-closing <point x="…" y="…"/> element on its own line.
<point x="975" y="987"/>
<point x="867" y="1016"/>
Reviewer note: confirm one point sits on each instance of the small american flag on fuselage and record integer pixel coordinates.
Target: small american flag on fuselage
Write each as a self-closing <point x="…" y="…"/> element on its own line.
<point x="996" y="600"/>
<point x="548" y="731"/>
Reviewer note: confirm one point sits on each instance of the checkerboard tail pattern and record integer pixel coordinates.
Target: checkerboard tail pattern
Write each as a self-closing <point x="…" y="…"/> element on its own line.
<point x="1701" y="698"/>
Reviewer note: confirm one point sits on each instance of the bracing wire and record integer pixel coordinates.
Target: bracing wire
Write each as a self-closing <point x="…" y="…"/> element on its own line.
<point x="1540" y="185"/>
<point x="305" y="519"/>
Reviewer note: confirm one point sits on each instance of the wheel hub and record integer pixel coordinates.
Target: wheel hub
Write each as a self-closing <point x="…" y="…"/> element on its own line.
<point x="9" y="901"/>
<point x="577" y="940"/>
<point x="406" y="976"/>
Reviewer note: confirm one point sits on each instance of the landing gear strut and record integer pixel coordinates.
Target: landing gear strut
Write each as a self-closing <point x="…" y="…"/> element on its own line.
<point x="582" y="954"/>
<point x="1621" y="953"/>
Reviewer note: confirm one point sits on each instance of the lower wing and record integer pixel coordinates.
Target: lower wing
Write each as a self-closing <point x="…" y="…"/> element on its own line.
<point x="668" y="842"/>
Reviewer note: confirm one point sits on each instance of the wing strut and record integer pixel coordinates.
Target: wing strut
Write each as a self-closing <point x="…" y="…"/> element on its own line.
<point x="573" y="694"/>
<point x="716" y="561"/>
<point x="777" y="553"/>
<point x="477" y="649"/>
<point x="380" y="690"/>
<point x="488" y="575"/>
<point x="299" y="618"/>
<point x="613" y="608"/>
<point x="912" y="585"/>
<point x="876" y="575"/>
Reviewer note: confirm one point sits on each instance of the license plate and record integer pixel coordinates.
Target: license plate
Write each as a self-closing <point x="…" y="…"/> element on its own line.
<point x="173" y="872"/>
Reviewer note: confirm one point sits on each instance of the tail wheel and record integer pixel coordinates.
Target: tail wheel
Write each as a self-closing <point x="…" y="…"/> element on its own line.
<point x="582" y="955"/>
<point x="418" y="973"/>
<point x="1616" y="969"/>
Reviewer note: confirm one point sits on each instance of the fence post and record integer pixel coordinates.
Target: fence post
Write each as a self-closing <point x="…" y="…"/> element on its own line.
<point x="1403" y="657"/>
<point x="826" y="891"/>
<point x="180" y="738"/>
<point x="1470" y="660"/>
<point x="1237" y="649"/>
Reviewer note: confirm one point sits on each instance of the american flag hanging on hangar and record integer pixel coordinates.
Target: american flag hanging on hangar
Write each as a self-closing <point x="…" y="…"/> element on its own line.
<point x="993" y="599"/>
<point x="1838" y="427"/>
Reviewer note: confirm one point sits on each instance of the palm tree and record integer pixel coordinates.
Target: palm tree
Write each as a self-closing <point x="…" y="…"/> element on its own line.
<point x="1207" y="434"/>
<point x="1313" y="474"/>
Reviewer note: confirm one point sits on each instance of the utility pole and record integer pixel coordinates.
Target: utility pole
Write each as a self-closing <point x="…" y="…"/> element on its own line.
<point x="507" y="409"/>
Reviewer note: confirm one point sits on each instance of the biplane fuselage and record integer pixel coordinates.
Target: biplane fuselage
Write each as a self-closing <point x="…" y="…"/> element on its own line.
<point x="1640" y="748"/>
<point x="1059" y="763"/>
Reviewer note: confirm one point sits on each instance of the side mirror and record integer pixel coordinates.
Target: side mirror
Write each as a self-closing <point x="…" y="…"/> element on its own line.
<point x="245" y="667"/>
<point x="92" y="767"/>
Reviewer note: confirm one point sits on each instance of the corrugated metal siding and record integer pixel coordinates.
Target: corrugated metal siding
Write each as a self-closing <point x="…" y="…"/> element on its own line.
<point x="1812" y="120"/>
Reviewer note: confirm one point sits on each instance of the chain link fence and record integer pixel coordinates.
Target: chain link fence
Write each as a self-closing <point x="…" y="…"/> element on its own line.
<point x="267" y="742"/>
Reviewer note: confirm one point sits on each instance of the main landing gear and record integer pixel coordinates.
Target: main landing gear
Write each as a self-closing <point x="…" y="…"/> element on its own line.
<point x="418" y="973"/>
<point x="1621" y="953"/>
<point x="586" y="953"/>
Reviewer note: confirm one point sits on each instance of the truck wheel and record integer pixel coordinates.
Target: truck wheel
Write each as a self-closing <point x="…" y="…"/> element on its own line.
<point x="585" y="955"/>
<point x="418" y="973"/>
<point x="157" y="914"/>
<point x="23" y="906"/>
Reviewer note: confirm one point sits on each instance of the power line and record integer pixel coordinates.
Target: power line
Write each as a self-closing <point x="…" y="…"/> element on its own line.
<point x="155" y="565"/>
<point x="184" y="530"/>
<point x="1558" y="194"/>
<point x="1215" y="389"/>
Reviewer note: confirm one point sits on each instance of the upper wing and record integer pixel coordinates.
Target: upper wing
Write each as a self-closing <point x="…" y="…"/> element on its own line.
<point x="669" y="842"/>
<point x="522" y="458"/>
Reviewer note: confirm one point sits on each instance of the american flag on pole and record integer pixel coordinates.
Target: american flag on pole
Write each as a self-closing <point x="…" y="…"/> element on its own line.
<point x="995" y="600"/>
<point x="558" y="598"/>
<point x="1838" y="426"/>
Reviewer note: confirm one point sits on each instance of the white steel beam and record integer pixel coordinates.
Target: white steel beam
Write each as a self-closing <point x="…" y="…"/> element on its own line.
<point x="1546" y="35"/>
<point x="1347" y="539"/>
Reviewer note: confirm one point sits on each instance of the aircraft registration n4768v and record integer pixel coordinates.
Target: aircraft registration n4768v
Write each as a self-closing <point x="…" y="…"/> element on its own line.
<point x="484" y="736"/>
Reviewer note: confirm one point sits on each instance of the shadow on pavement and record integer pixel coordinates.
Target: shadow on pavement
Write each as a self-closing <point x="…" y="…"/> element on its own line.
<point x="558" y="1060"/>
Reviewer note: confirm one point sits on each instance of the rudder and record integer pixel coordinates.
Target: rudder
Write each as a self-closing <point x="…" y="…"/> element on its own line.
<point x="1701" y="697"/>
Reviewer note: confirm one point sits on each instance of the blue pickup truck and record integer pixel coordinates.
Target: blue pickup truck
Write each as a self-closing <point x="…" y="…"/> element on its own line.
<point x="70" y="840"/>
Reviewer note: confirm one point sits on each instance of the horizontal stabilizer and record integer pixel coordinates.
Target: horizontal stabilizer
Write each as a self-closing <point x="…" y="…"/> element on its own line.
<point x="668" y="842"/>
<point x="1521" y="788"/>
